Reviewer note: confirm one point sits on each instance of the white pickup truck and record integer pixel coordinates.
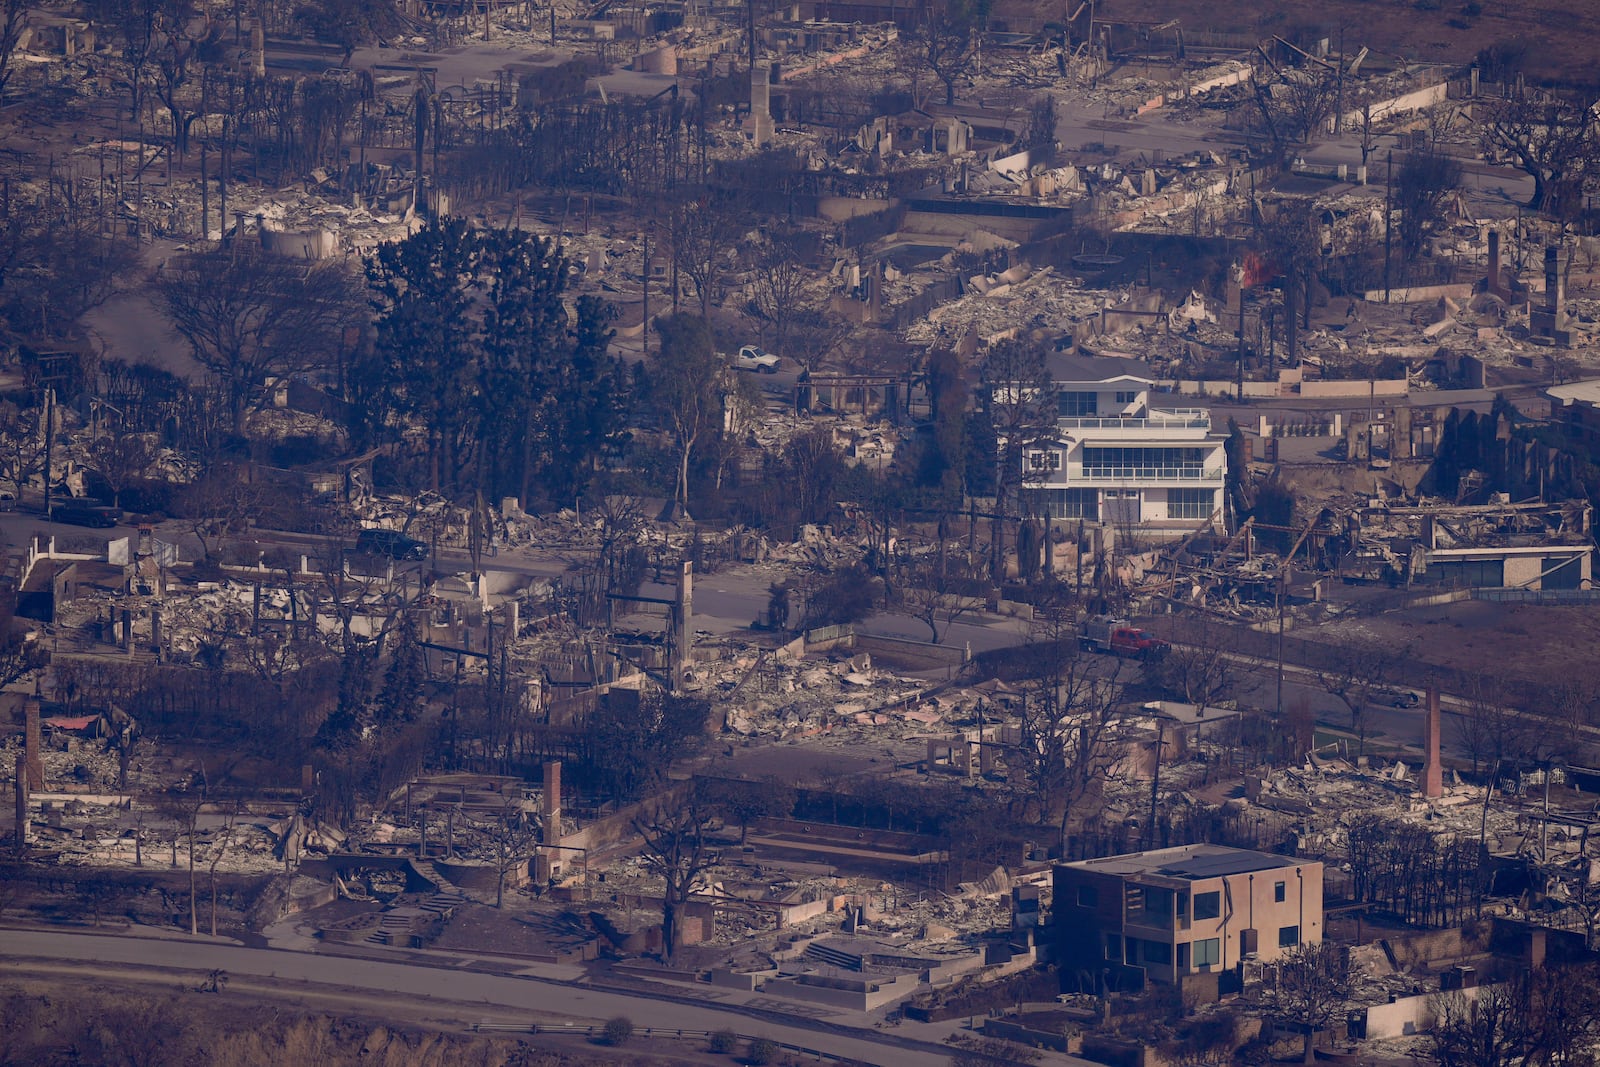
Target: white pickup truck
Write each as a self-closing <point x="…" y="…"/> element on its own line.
<point x="751" y="357"/>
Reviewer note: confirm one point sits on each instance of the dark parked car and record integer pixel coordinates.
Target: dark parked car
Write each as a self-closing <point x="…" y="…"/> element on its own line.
<point x="77" y="513"/>
<point x="391" y="543"/>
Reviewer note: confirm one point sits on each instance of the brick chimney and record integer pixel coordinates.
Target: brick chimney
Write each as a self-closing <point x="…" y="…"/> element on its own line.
<point x="1432" y="769"/>
<point x="33" y="746"/>
<point x="552" y="802"/>
<point x="22" y="803"/>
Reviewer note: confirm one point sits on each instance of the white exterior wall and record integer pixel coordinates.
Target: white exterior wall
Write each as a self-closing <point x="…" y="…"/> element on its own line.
<point x="1066" y="468"/>
<point x="1122" y="418"/>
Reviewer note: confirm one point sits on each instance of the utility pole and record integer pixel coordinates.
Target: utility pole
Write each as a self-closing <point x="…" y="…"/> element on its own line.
<point x="1338" y="106"/>
<point x="1388" y="219"/>
<point x="1155" y="779"/>
<point x="1283" y="593"/>
<point x="1241" y="344"/>
<point x="49" y="441"/>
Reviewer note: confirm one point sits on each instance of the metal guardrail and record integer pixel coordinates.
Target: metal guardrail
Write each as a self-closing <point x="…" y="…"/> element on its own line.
<point x="574" y="1029"/>
<point x="1538" y="596"/>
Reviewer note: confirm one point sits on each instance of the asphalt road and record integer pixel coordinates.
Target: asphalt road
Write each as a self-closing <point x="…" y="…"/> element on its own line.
<point x="460" y="986"/>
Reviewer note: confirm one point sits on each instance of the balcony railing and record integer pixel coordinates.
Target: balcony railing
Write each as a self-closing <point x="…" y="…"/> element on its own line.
<point x="1186" y="474"/>
<point x="1184" y="419"/>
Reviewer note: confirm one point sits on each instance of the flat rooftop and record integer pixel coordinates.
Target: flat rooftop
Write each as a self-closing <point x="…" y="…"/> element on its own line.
<point x="1192" y="862"/>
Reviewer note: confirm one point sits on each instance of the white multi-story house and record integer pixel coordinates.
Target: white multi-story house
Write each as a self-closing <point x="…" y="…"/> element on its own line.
<point x="1116" y="460"/>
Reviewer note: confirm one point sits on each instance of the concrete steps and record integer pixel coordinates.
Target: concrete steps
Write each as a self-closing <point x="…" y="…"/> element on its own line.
<point x="848" y="961"/>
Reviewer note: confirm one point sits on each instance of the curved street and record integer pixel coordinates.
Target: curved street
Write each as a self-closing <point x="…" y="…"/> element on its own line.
<point x="457" y="986"/>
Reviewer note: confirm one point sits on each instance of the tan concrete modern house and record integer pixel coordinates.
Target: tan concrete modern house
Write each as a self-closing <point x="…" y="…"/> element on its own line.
<point x="1180" y="911"/>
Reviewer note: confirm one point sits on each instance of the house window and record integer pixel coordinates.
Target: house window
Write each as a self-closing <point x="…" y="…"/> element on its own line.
<point x="1068" y="503"/>
<point x="1073" y="405"/>
<point x="1190" y="503"/>
<point x="1288" y="936"/>
<point x="1208" y="953"/>
<point x="1127" y="397"/>
<point x="1157" y="952"/>
<point x="1158" y="903"/>
<point x="1039" y="461"/>
<point x="1088" y="896"/>
<point x="1207" y="905"/>
<point x="1144" y="461"/>
<point x="1183" y="957"/>
<point x="1114" y="947"/>
<point x="1279" y="892"/>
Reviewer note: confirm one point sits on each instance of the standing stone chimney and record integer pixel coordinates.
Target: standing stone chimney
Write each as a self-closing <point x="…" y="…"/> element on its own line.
<point x="683" y="626"/>
<point x="761" y="103"/>
<point x="1432" y="771"/>
<point x="1550" y="320"/>
<point x="258" y="49"/>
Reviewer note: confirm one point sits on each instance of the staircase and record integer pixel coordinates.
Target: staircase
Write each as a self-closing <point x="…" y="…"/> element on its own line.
<point x="444" y="904"/>
<point x="398" y="923"/>
<point x="394" y="927"/>
<point x="847" y="961"/>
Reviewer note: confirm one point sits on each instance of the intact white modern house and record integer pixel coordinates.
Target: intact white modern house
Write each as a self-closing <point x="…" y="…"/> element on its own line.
<point x="1118" y="461"/>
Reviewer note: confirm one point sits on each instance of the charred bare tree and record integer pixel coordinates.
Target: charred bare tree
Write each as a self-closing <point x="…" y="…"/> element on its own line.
<point x="1071" y="724"/>
<point x="1199" y="666"/>
<point x="1309" y="986"/>
<point x="1292" y="240"/>
<point x="947" y="40"/>
<point x="350" y="24"/>
<point x="702" y="230"/>
<point x="676" y="851"/>
<point x="779" y="287"/>
<point x="186" y="37"/>
<point x="122" y="459"/>
<point x="686" y="387"/>
<point x="21" y="446"/>
<point x="1020" y="400"/>
<point x="1425" y="181"/>
<point x="515" y="835"/>
<point x="1554" y="141"/>
<point x="1494" y="1028"/>
<point x="1490" y="731"/>
<point x="1356" y="673"/>
<point x="249" y="316"/>
<point x="938" y="591"/>
<point x="1295" y="104"/>
<point x="13" y="21"/>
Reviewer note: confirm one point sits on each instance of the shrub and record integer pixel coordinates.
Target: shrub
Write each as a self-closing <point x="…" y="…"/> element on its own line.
<point x="724" y="1041"/>
<point x="617" y="1031"/>
<point x="761" y="1052"/>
